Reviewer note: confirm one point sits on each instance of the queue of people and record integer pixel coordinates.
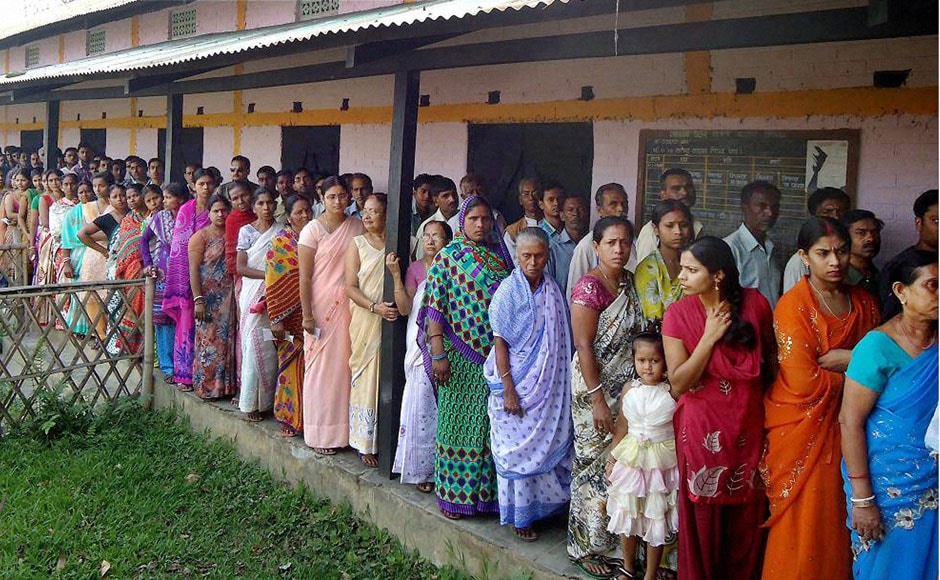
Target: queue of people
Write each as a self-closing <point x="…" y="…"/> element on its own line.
<point x="691" y="413"/>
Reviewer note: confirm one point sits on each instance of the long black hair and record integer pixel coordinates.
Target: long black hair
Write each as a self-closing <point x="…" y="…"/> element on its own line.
<point x="715" y="255"/>
<point x="817" y="227"/>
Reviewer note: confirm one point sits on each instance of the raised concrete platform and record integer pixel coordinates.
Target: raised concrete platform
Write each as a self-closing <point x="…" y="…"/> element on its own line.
<point x="478" y="545"/>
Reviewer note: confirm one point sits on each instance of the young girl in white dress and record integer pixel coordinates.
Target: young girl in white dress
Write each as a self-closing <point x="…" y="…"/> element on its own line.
<point x="642" y="466"/>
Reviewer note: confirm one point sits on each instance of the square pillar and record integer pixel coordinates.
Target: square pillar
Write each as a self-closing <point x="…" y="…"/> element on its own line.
<point x="398" y="240"/>
<point x="173" y="153"/>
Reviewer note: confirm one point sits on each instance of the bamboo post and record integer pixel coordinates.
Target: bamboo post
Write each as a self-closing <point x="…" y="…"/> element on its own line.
<point x="147" y="363"/>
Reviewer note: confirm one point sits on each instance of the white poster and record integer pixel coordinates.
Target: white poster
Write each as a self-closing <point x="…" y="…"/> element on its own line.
<point x="827" y="164"/>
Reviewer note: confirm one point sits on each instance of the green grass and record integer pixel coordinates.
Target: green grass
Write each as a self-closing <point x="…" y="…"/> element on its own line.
<point x="153" y="500"/>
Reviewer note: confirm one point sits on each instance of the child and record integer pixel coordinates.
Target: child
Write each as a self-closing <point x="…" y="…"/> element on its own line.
<point x="642" y="466"/>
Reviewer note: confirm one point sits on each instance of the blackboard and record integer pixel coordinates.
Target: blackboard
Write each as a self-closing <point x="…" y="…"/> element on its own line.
<point x="722" y="162"/>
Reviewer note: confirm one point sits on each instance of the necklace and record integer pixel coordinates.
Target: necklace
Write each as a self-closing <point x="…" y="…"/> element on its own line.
<point x="910" y="340"/>
<point x="826" y="302"/>
<point x="617" y="285"/>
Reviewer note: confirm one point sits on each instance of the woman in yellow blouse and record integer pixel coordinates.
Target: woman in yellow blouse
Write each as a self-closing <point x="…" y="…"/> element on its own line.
<point x="656" y="276"/>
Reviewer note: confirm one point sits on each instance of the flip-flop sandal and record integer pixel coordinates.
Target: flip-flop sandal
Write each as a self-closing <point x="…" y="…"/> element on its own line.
<point x="581" y="564"/>
<point x="184" y="388"/>
<point x="375" y="460"/>
<point x="324" y="451"/>
<point x="531" y="537"/>
<point x="450" y="516"/>
<point x="254" y="417"/>
<point x="426" y="487"/>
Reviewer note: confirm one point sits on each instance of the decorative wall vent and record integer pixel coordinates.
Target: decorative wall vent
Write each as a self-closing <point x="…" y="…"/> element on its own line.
<point x="183" y="23"/>
<point x="94" y="42"/>
<point x="307" y="9"/>
<point x="32" y="56"/>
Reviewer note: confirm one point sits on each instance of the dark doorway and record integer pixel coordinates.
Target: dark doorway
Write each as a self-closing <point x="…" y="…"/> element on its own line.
<point x="31" y="140"/>
<point x="505" y="153"/>
<point x="313" y="147"/>
<point x="191" y="143"/>
<point x="97" y="138"/>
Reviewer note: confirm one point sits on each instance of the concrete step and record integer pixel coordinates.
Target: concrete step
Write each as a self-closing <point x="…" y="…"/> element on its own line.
<point x="479" y="546"/>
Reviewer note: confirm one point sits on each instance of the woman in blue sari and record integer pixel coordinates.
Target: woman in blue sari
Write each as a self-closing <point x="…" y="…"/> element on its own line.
<point x="890" y="397"/>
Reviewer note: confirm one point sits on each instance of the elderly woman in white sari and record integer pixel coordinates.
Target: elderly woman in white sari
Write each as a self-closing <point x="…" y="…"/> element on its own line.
<point x="259" y="354"/>
<point x="530" y="388"/>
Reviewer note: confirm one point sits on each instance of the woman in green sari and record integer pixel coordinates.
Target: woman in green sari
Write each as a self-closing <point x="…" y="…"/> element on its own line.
<point x="656" y="277"/>
<point x="455" y="337"/>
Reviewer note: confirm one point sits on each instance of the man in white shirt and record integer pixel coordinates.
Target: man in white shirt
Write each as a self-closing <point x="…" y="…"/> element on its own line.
<point x="611" y="200"/>
<point x="825" y="202"/>
<point x="752" y="248"/>
<point x="472" y="184"/>
<point x="674" y="184"/>
<point x="530" y="192"/>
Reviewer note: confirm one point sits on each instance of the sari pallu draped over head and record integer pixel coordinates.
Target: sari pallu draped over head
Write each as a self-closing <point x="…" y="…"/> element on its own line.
<point x="129" y="266"/>
<point x="282" y="300"/>
<point x="535" y="327"/>
<point x="461" y="283"/>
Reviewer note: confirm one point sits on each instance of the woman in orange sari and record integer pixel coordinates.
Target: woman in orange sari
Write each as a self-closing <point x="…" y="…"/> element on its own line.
<point x="817" y="324"/>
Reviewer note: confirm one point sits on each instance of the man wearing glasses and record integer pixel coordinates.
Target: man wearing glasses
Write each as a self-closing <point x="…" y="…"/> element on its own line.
<point x="241" y="169"/>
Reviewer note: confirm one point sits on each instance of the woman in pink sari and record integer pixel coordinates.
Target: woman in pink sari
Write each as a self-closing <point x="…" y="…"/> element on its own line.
<point x="721" y="353"/>
<point x="327" y="348"/>
<point x="177" y="295"/>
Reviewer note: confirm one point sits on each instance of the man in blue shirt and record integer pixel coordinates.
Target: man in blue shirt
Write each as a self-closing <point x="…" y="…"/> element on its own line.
<point x="753" y="250"/>
<point x="576" y="214"/>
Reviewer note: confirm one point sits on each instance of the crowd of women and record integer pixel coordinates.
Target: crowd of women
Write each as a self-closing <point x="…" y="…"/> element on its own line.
<point x="682" y="424"/>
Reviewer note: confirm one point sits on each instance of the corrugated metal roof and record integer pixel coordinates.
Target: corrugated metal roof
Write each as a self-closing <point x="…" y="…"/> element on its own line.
<point x="209" y="45"/>
<point x="38" y="13"/>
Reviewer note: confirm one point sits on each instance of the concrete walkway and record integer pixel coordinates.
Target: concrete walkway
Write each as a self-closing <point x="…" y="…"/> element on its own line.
<point x="478" y="545"/>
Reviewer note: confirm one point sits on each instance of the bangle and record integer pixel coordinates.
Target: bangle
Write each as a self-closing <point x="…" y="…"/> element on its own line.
<point x="441" y="356"/>
<point x="372" y="308"/>
<point x="859" y="500"/>
<point x="595" y="389"/>
<point x="504" y="375"/>
<point x="67" y="259"/>
<point x="865" y="476"/>
<point x="430" y="336"/>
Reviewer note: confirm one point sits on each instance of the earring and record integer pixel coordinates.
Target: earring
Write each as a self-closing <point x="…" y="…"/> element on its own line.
<point x="716" y="285"/>
<point x="903" y="301"/>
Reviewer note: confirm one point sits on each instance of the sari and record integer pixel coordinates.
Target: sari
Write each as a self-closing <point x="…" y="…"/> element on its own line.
<point x="326" y="356"/>
<point x="719" y="426"/>
<point x="807" y="535"/>
<point x="213" y="371"/>
<point x="177" y="295"/>
<point x="45" y="264"/>
<point x="259" y="355"/>
<point x="128" y="266"/>
<point x="532" y="453"/>
<point x="57" y="215"/>
<point x="365" y="333"/>
<point x="44" y="267"/>
<point x="154" y="251"/>
<point x="416" y="452"/>
<point x="282" y="300"/>
<point x="460" y="285"/>
<point x="620" y="318"/>
<point x="654" y="287"/>
<point x="903" y="474"/>
<point x="74" y="221"/>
